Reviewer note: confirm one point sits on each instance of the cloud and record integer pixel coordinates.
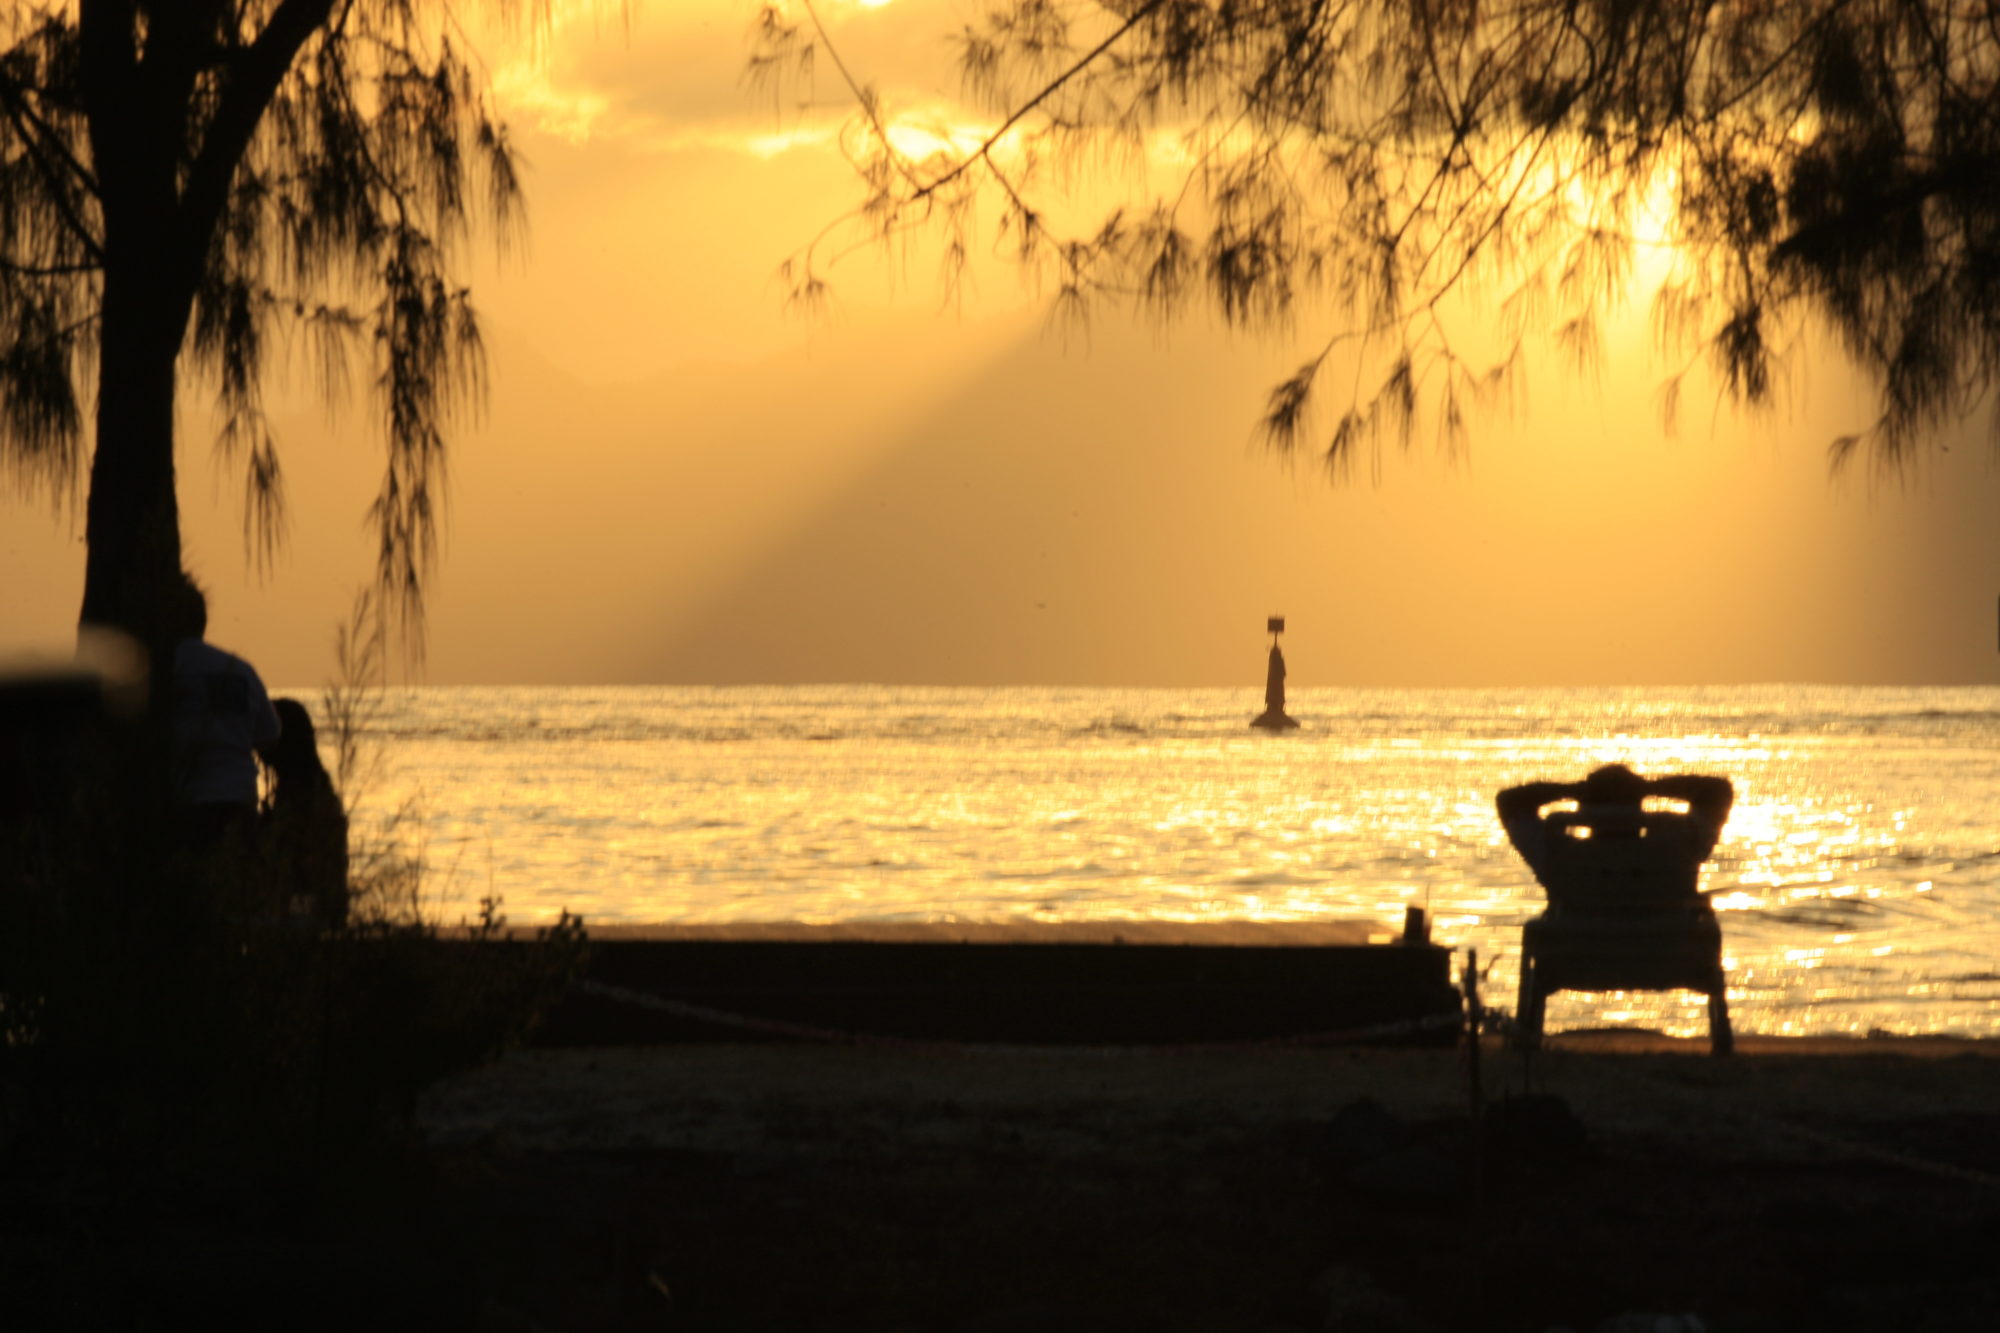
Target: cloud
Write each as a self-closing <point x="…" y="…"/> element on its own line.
<point x="675" y="78"/>
<point x="570" y="114"/>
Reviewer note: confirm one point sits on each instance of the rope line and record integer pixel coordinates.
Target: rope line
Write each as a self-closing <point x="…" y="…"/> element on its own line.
<point x="1888" y="1156"/>
<point x="1493" y="1020"/>
<point x="1502" y="1022"/>
<point x="1838" y="1143"/>
<point x="808" y="1032"/>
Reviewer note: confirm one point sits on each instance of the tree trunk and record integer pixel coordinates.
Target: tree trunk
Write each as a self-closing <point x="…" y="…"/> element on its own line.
<point x="137" y="114"/>
<point x="132" y="523"/>
<point x="132" y="558"/>
<point x="141" y="68"/>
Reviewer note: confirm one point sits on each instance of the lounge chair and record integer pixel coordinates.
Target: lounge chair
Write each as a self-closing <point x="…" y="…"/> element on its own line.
<point x="1623" y="914"/>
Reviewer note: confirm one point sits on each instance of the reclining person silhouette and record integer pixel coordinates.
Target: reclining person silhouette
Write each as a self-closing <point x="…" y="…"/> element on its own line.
<point x="1621" y="867"/>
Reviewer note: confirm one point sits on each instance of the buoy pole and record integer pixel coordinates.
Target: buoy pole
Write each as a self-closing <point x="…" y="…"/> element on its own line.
<point x="1274" y="717"/>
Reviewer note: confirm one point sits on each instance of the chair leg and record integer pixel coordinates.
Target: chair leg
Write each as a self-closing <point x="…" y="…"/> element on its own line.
<point x="1528" y="1009"/>
<point x="1721" y="1040"/>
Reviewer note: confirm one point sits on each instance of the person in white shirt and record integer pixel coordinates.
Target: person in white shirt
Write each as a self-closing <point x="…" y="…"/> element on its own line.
<point x="222" y="719"/>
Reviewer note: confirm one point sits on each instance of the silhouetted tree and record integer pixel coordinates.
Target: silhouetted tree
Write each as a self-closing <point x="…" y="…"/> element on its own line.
<point x="226" y="180"/>
<point x="1838" y="158"/>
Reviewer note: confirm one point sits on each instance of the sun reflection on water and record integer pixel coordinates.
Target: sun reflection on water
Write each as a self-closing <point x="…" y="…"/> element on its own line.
<point x="1856" y="877"/>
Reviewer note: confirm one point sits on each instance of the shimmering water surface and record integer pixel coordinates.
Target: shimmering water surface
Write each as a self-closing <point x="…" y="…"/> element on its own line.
<point x="1857" y="876"/>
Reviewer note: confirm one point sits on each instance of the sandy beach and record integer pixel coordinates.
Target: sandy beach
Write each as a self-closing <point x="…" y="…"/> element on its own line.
<point x="1819" y="1184"/>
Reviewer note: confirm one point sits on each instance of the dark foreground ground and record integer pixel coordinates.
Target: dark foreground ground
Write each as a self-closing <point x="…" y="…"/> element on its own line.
<point x="1830" y="1186"/>
<point x="1624" y="1183"/>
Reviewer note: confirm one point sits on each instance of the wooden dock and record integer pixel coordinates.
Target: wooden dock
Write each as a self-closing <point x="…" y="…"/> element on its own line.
<point x="1112" y="982"/>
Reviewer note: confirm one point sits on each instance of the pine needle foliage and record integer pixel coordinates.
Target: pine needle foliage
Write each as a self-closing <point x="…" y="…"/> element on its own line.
<point x="241" y="187"/>
<point x="1835" y="160"/>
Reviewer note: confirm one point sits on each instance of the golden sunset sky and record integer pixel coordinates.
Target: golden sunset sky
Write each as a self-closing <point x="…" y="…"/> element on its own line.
<point x="677" y="481"/>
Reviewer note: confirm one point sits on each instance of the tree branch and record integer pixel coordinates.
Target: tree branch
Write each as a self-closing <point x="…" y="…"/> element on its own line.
<point x="37" y="139"/>
<point x="35" y="129"/>
<point x="1055" y="85"/>
<point x="254" y="78"/>
<point x="48" y="270"/>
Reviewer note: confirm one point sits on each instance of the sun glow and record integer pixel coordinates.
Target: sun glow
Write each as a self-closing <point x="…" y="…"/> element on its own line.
<point x="922" y="139"/>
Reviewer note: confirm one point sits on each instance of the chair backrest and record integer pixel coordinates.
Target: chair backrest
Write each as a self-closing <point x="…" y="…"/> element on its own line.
<point x="1621" y="860"/>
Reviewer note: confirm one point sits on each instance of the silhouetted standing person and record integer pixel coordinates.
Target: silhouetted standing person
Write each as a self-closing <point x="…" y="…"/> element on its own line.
<point x="305" y="829"/>
<point x="222" y="722"/>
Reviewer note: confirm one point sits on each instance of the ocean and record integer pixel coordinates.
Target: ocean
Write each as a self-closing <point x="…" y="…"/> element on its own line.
<point x="1858" y="879"/>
